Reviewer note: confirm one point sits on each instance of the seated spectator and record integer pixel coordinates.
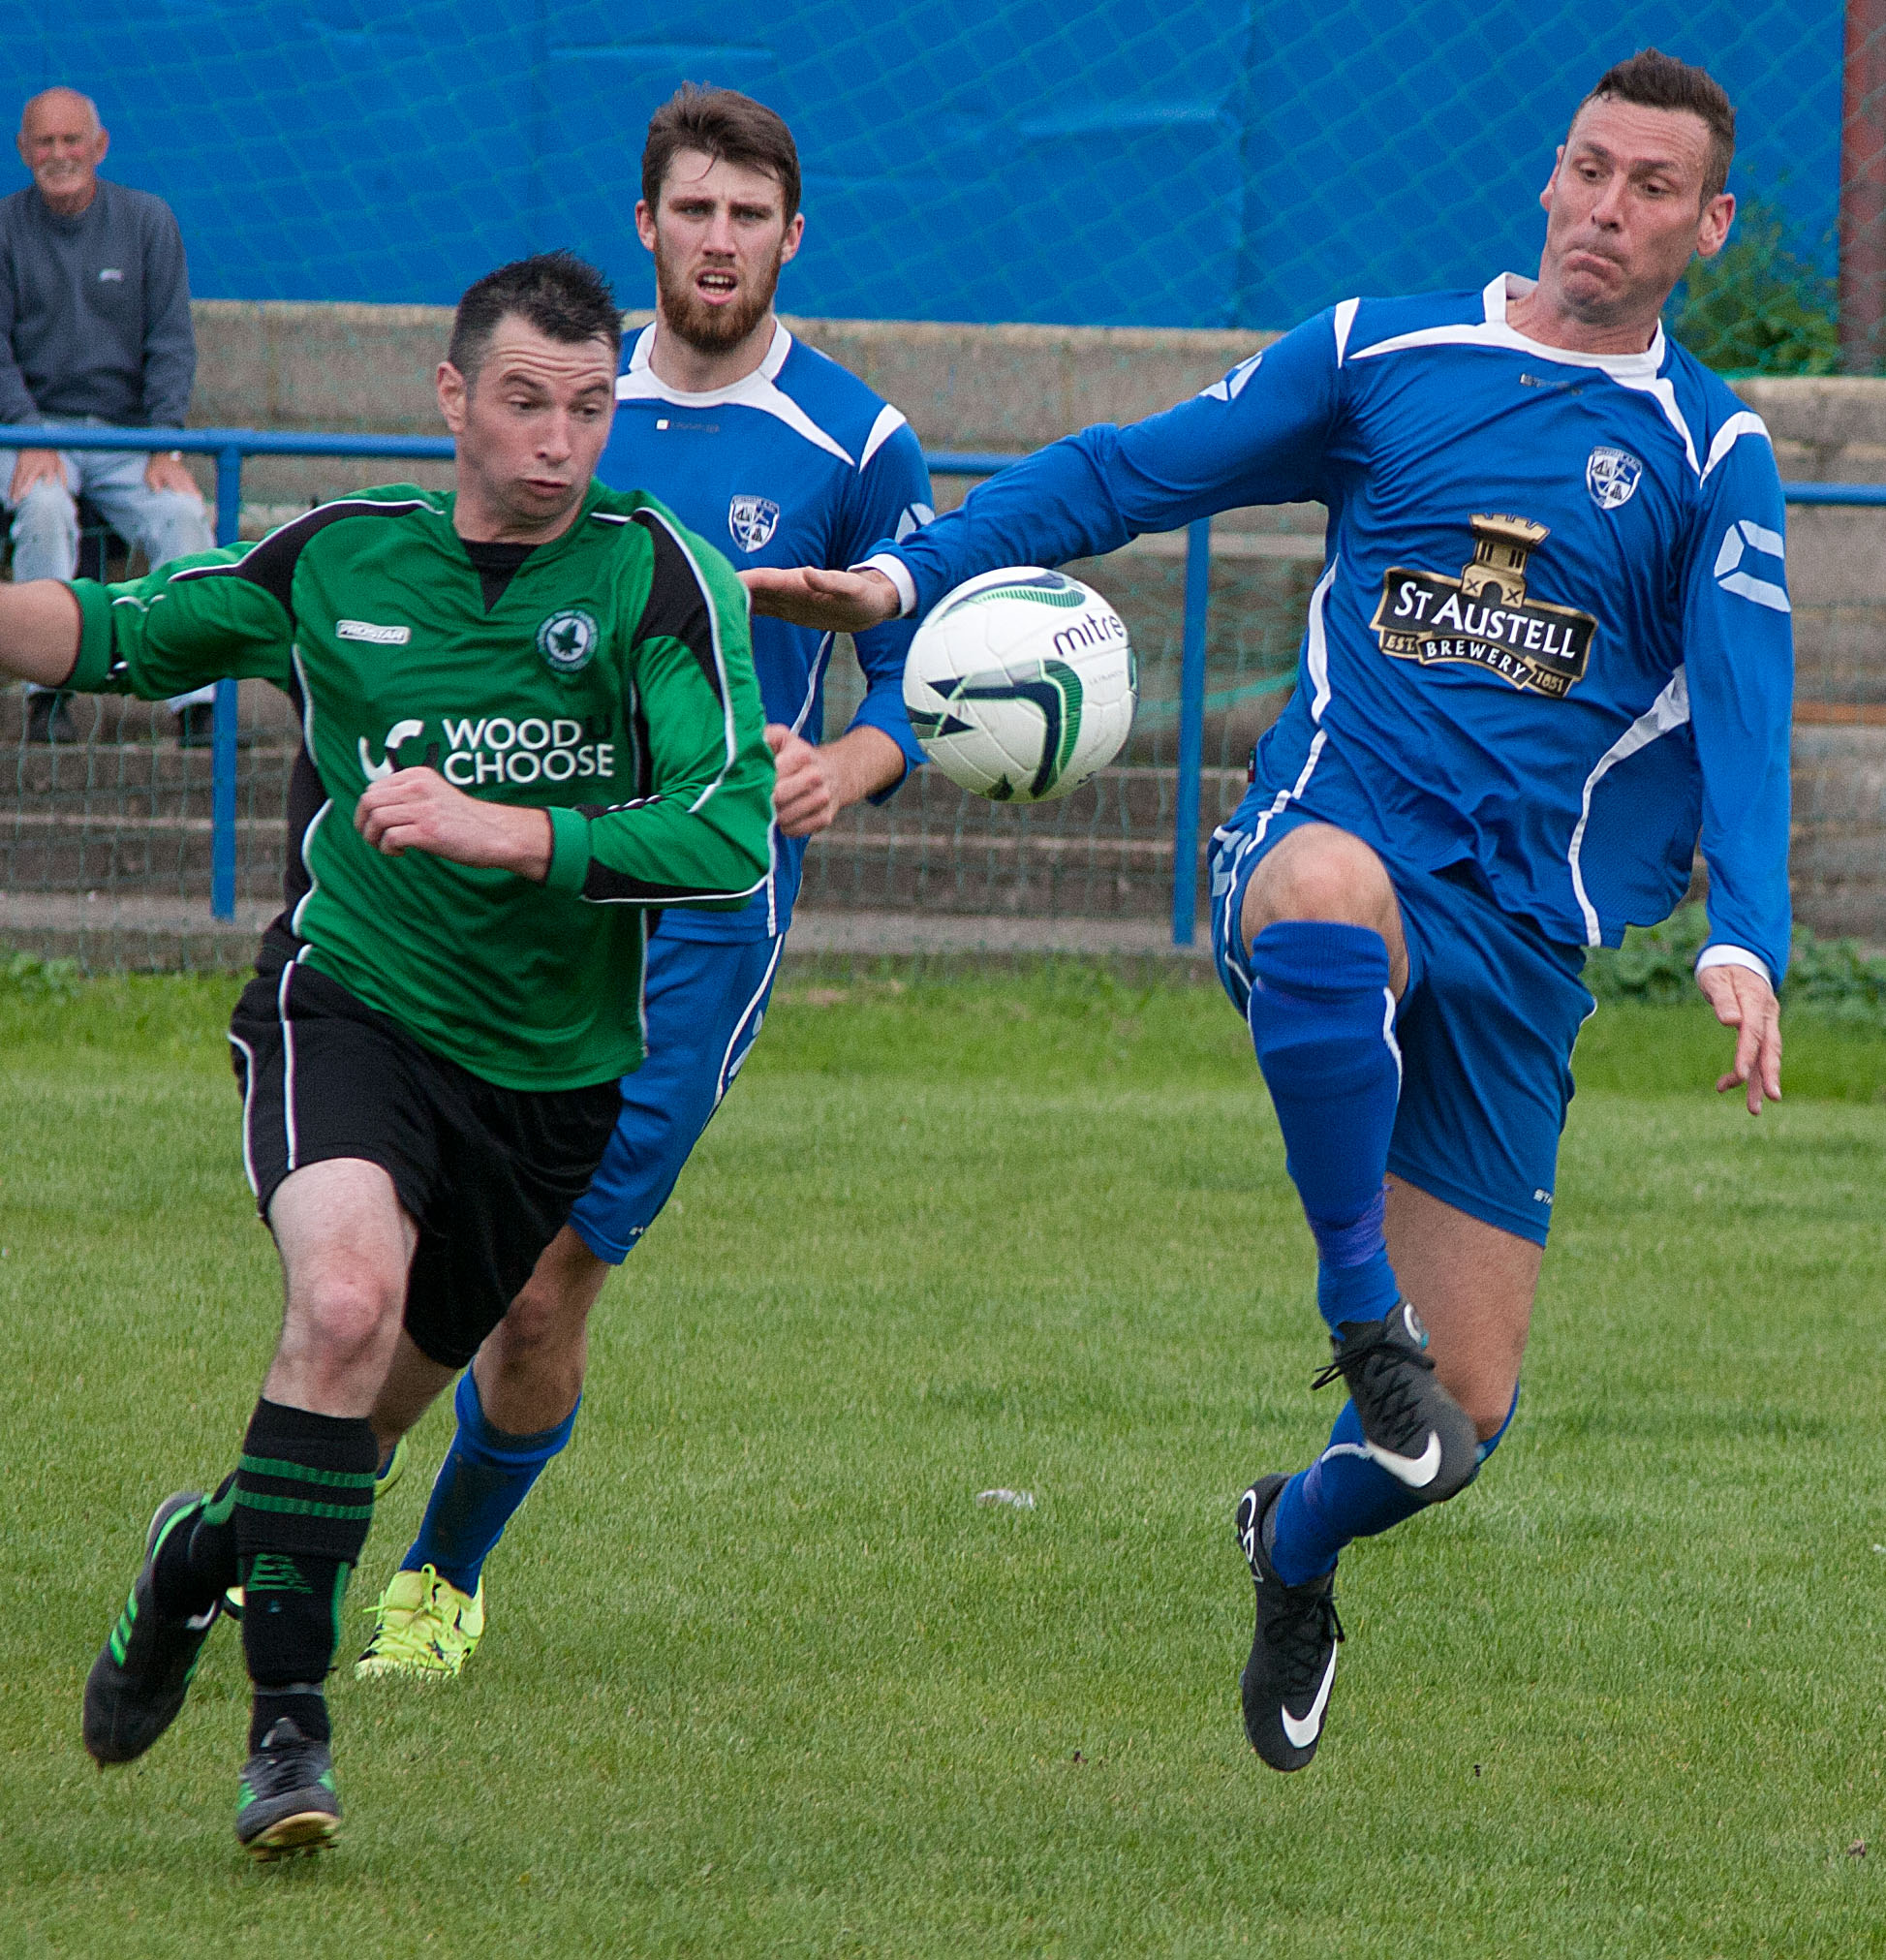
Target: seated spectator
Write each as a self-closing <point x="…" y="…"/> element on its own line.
<point x="95" y="331"/>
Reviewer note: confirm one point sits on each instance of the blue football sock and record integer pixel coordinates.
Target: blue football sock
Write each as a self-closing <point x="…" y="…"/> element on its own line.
<point x="1321" y="1020"/>
<point x="1343" y="1495"/>
<point x="486" y="1475"/>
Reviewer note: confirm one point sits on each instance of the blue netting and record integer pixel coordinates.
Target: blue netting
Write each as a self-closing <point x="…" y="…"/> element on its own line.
<point x="976" y="160"/>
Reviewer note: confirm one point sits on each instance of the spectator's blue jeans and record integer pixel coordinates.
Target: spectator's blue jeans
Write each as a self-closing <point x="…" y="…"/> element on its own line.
<point x="162" y="524"/>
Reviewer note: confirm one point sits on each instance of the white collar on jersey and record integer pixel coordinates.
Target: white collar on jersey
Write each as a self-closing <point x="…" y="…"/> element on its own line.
<point x="1493" y="332"/>
<point x="1635" y="371"/>
<point x="638" y="382"/>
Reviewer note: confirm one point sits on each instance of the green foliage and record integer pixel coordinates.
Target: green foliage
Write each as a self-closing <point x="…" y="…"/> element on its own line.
<point x="25" y="977"/>
<point x="1832" y="977"/>
<point x="1755" y="307"/>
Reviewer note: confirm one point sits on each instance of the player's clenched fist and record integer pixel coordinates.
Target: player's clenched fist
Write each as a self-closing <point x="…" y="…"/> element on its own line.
<point x="803" y="798"/>
<point x="419" y="810"/>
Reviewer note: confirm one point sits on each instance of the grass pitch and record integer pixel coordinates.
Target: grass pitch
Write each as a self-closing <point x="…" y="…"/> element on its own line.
<point x="762" y="1677"/>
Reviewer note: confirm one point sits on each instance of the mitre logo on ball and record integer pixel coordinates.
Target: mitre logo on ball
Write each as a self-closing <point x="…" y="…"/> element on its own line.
<point x="753" y="520"/>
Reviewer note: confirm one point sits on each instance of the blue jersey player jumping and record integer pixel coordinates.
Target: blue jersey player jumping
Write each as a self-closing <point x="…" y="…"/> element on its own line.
<point x="1550" y="648"/>
<point x="780" y="457"/>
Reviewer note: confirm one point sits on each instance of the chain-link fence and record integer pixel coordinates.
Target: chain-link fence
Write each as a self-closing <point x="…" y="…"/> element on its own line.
<point x="1198" y="164"/>
<point x="1185" y="182"/>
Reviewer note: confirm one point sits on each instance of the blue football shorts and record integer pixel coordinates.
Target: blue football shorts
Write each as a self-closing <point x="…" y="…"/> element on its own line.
<point x="703" y="1001"/>
<point x="1485" y="1026"/>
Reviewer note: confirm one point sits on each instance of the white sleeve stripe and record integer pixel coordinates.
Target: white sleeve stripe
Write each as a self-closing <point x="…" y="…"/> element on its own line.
<point x="889" y="421"/>
<point x="1669" y="711"/>
<point x="368" y="506"/>
<point x="719" y="656"/>
<point x="1317" y="657"/>
<point x="1732" y="431"/>
<point x="1345" y="320"/>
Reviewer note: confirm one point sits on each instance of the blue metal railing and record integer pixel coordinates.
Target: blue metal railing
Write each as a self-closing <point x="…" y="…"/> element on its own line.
<point x="231" y="447"/>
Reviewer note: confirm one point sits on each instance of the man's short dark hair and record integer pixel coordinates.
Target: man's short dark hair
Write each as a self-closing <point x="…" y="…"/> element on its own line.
<point x="727" y="125"/>
<point x="1654" y="80"/>
<point x="562" y="297"/>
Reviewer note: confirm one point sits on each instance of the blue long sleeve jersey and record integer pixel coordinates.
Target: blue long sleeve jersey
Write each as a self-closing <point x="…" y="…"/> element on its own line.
<point x="1552" y="635"/>
<point x="798" y="463"/>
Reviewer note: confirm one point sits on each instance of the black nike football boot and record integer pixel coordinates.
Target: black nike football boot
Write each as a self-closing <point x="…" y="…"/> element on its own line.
<point x="1285" y="1683"/>
<point x="1412" y="1426"/>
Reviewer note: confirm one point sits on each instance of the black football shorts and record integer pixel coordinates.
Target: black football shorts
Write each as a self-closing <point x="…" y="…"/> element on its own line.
<point x="488" y="1174"/>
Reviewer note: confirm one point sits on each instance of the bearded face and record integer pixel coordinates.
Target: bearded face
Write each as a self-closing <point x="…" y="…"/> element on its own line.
<point x="712" y="302"/>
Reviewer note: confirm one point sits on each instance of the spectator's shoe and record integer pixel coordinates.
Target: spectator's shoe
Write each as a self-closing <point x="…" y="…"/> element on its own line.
<point x="286" y="1802"/>
<point x="197" y="727"/>
<point x="48" y="716"/>
<point x="138" y="1684"/>
<point x="1285" y="1683"/>
<point x="427" y="1630"/>
<point x="385" y="1477"/>
<point x="1410" y="1425"/>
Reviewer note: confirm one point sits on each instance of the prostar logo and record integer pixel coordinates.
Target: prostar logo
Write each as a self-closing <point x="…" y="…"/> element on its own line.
<point x="1735" y="573"/>
<point x="1484" y="617"/>
<point x="375" y="636"/>
<point x="1231" y="385"/>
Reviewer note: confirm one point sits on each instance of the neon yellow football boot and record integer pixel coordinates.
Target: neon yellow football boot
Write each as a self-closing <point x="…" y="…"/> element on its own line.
<point x="426" y="1629"/>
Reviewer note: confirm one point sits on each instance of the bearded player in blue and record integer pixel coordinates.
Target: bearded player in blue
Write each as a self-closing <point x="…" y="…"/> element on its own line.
<point x="779" y="456"/>
<point x="1550" y="648"/>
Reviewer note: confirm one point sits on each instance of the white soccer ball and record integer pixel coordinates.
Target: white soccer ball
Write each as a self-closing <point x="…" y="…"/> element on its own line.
<point x="1021" y="684"/>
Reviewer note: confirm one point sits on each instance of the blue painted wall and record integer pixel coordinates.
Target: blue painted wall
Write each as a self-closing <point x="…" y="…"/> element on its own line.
<point x="1201" y="165"/>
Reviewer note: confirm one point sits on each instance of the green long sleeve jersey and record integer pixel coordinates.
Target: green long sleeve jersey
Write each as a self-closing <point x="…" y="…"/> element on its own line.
<point x="610" y="682"/>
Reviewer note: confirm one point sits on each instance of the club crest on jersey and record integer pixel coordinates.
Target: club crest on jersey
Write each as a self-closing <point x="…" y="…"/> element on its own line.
<point x="567" y="641"/>
<point x="1611" y="476"/>
<point x="753" y="520"/>
<point x="1484" y="616"/>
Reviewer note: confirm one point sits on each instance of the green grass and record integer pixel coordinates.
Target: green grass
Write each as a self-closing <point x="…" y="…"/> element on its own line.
<point x="764" y="1678"/>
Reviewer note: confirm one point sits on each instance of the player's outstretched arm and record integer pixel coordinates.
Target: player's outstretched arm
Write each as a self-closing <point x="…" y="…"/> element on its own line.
<point x="828" y="602"/>
<point x="38" y="630"/>
<point x="1744" y="1000"/>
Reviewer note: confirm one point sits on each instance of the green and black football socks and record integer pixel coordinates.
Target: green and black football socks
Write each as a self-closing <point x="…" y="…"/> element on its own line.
<point x="304" y="1502"/>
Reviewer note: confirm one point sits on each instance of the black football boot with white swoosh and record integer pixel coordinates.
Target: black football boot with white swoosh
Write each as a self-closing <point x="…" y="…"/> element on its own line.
<point x="1412" y="1426"/>
<point x="1285" y="1683"/>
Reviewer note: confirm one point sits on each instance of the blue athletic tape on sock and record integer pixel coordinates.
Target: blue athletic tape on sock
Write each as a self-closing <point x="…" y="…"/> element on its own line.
<point x="486" y="1475"/>
<point x="1322" y="1018"/>
<point x="1343" y="1495"/>
<point x="1352" y="1245"/>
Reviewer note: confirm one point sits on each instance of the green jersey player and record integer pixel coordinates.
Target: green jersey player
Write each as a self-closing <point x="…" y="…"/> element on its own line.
<point x="530" y="717"/>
